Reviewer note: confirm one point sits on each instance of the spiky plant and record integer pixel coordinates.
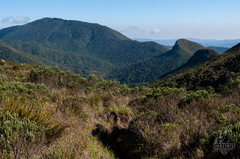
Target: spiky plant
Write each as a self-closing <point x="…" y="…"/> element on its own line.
<point x="34" y="112"/>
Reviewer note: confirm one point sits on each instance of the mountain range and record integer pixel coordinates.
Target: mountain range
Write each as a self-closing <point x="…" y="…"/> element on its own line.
<point x="199" y="57"/>
<point x="87" y="48"/>
<point x="213" y="74"/>
<point x="205" y="42"/>
<point x="154" y="67"/>
<point x="81" y="47"/>
<point x="50" y="113"/>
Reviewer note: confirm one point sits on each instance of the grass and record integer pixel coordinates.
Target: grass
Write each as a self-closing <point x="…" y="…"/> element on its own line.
<point x="145" y="122"/>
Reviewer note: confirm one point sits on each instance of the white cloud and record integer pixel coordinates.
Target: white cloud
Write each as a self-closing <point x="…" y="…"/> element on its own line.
<point x="127" y="28"/>
<point x="155" y="31"/>
<point x="147" y="29"/>
<point x="152" y="31"/>
<point x="21" y="20"/>
<point x="7" y="19"/>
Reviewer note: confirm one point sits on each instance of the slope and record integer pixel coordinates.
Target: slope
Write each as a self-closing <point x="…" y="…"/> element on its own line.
<point x="11" y="54"/>
<point x="154" y="67"/>
<point x="81" y="64"/>
<point x="199" y="57"/>
<point x="220" y="50"/>
<point x="82" y="46"/>
<point x="213" y="74"/>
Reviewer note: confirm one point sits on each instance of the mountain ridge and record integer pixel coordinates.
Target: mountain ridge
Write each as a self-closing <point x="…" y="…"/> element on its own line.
<point x="154" y="67"/>
<point x="211" y="75"/>
<point x="199" y="57"/>
<point x="82" y="47"/>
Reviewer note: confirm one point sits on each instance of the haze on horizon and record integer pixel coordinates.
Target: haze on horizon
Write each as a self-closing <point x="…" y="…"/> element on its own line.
<point x="154" y="19"/>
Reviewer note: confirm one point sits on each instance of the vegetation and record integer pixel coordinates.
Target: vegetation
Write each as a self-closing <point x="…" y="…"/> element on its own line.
<point x="57" y="114"/>
<point x="219" y="74"/>
<point x="154" y="67"/>
<point x="220" y="50"/>
<point x="83" y="48"/>
<point x="199" y="57"/>
<point x="46" y="112"/>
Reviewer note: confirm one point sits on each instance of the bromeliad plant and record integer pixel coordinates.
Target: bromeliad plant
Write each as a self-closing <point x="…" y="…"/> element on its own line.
<point x="33" y="111"/>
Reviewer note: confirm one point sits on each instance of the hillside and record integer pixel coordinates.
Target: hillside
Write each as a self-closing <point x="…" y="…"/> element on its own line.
<point x="82" y="47"/>
<point x="82" y="64"/>
<point x="199" y="57"/>
<point x="211" y="75"/>
<point x="220" y="50"/>
<point x="11" y="54"/>
<point x="48" y="113"/>
<point x="154" y="67"/>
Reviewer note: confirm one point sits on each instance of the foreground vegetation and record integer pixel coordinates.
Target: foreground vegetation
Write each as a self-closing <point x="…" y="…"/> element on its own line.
<point x="48" y="113"/>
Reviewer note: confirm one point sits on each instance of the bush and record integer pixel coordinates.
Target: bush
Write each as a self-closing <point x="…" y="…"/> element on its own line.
<point x="33" y="112"/>
<point x="19" y="137"/>
<point x="198" y="96"/>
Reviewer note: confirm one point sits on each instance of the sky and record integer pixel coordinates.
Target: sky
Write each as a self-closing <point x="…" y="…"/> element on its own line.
<point x="148" y="19"/>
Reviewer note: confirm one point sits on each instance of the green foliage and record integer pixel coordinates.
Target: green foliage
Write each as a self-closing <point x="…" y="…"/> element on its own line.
<point x="83" y="48"/>
<point x="10" y="54"/>
<point x="170" y="127"/>
<point x="199" y="57"/>
<point x="222" y="119"/>
<point x="154" y="67"/>
<point x="220" y="74"/>
<point x="33" y="112"/>
<point x="124" y="110"/>
<point x="198" y="96"/>
<point x="18" y="137"/>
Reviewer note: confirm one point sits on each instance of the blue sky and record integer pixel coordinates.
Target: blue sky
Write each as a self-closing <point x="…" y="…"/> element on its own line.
<point x="152" y="19"/>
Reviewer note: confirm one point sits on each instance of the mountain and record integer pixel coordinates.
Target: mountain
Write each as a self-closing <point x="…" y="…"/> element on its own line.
<point x="154" y="67"/>
<point x="220" y="50"/>
<point x="199" y="57"/>
<point x="10" y="54"/>
<point x="213" y="74"/>
<point x="84" y="48"/>
<point x="76" y="63"/>
<point x="205" y="42"/>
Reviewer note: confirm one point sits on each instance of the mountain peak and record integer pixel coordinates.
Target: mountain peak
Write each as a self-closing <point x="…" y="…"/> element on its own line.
<point x="187" y="45"/>
<point x="185" y="48"/>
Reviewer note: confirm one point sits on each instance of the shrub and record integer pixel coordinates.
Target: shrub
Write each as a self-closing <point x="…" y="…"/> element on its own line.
<point x="19" y="137"/>
<point x="34" y="112"/>
<point x="198" y="96"/>
<point x="232" y="131"/>
<point x="124" y="110"/>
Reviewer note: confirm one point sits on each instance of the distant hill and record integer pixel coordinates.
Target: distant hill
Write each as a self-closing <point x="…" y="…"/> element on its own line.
<point x="205" y="42"/>
<point x="10" y="54"/>
<point x="212" y="74"/>
<point x="199" y="57"/>
<point x="154" y="67"/>
<point x="220" y="50"/>
<point x="84" y="48"/>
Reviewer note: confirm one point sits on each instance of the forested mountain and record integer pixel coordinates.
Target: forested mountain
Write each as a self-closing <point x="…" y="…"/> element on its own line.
<point x="82" y="47"/>
<point x="154" y="67"/>
<point x="211" y="75"/>
<point x="10" y="54"/>
<point x="199" y="57"/>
